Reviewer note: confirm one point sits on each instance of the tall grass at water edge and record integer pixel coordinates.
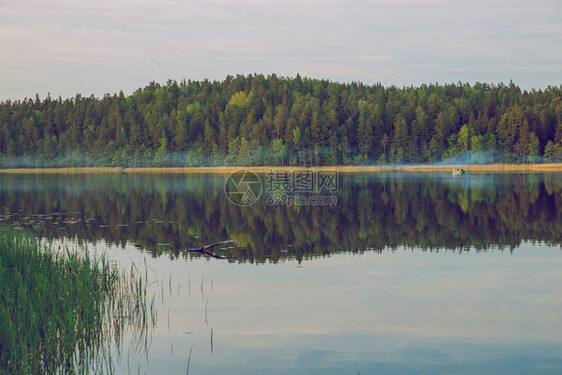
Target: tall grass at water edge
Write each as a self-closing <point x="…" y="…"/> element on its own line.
<point x="64" y="311"/>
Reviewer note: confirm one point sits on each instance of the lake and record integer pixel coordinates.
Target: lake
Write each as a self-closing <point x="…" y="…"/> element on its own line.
<point x="397" y="273"/>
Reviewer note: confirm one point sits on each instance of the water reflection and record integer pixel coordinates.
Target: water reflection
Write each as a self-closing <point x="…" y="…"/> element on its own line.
<point x="472" y="312"/>
<point x="170" y="213"/>
<point x="468" y="310"/>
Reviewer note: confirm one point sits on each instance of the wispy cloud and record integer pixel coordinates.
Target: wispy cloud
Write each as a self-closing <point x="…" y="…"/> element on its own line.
<point x="64" y="47"/>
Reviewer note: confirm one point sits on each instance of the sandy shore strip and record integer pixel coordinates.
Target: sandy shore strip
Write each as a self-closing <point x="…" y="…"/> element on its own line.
<point x="550" y="167"/>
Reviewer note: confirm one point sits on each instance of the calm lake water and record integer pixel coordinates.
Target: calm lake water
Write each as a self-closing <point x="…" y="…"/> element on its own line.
<point x="401" y="274"/>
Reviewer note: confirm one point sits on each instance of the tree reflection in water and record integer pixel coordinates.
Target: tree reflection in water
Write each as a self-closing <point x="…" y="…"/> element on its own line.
<point x="168" y="214"/>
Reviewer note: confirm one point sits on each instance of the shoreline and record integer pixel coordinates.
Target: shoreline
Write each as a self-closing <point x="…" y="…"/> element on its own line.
<point x="547" y="167"/>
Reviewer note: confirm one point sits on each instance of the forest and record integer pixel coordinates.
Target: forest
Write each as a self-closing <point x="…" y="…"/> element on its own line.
<point x="259" y="120"/>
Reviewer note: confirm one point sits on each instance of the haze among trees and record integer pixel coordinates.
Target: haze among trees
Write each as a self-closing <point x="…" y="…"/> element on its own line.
<point x="258" y="120"/>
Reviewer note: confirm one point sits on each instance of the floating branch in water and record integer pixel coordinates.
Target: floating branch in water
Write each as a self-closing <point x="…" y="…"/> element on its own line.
<point x="205" y="249"/>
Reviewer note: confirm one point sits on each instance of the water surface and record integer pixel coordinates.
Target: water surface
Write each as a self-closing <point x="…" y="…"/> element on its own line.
<point x="408" y="273"/>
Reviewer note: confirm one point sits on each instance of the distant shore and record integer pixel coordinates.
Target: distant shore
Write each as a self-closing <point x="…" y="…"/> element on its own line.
<point x="547" y="167"/>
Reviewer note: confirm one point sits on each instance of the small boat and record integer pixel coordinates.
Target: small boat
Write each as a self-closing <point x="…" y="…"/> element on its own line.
<point x="457" y="171"/>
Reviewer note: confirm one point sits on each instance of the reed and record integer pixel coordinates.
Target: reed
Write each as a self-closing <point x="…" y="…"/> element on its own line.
<point x="206" y="306"/>
<point x="65" y="311"/>
<point x="189" y="360"/>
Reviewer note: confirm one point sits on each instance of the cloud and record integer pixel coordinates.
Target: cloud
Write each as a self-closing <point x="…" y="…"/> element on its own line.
<point x="65" y="47"/>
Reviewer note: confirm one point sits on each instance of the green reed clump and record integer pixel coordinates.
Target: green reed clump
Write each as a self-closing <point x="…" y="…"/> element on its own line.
<point x="64" y="311"/>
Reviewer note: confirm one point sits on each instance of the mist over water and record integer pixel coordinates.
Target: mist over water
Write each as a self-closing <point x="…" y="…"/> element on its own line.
<point x="484" y="157"/>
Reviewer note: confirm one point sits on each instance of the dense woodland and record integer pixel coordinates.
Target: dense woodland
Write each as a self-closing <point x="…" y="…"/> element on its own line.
<point x="257" y="120"/>
<point x="164" y="214"/>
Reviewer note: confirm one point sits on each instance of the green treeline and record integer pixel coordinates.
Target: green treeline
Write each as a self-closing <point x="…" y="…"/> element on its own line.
<point x="257" y="120"/>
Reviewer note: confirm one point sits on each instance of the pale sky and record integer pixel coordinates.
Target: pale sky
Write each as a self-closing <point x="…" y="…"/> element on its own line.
<point x="101" y="46"/>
